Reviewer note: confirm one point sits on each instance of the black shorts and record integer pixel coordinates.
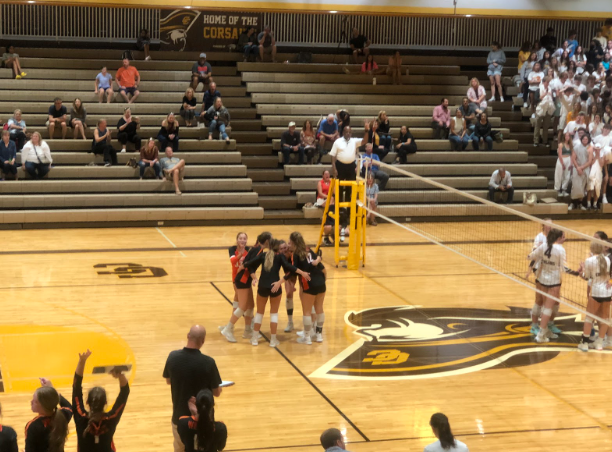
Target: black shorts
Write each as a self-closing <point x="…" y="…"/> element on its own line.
<point x="316" y="290"/>
<point x="247" y="285"/>
<point x="267" y="292"/>
<point x="329" y="221"/>
<point x="131" y="90"/>
<point x="602" y="299"/>
<point x="548" y="286"/>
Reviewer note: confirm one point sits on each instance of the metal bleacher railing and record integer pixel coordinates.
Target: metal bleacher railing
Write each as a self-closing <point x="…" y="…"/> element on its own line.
<point x="115" y="24"/>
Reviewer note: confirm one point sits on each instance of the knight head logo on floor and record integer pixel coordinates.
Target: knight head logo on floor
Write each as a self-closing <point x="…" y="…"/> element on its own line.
<point x="403" y="342"/>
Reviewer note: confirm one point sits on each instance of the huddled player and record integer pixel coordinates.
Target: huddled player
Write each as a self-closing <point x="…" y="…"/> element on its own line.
<point x="237" y="253"/>
<point x="289" y="286"/>
<point x="8" y="438"/>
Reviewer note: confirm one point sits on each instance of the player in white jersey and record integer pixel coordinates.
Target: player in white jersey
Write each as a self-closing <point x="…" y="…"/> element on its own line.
<point x="550" y="258"/>
<point x="597" y="270"/>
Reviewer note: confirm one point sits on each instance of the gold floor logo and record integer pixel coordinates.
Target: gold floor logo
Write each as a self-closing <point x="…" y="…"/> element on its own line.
<point x="403" y="342"/>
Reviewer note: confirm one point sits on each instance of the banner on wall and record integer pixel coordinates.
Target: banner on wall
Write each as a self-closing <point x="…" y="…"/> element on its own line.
<point x="189" y="30"/>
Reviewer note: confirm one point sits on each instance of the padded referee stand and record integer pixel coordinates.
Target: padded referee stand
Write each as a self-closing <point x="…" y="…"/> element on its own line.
<point x="357" y="226"/>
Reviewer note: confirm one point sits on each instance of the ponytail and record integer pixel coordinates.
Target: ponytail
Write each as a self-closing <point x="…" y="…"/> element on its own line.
<point x="49" y="400"/>
<point x="551" y="238"/>
<point x="439" y="422"/>
<point x="269" y="262"/>
<point x="597" y="250"/>
<point x="96" y="401"/>
<point x="205" y="428"/>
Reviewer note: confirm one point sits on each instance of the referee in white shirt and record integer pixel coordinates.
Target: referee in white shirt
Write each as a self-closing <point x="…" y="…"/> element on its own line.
<point x="344" y="155"/>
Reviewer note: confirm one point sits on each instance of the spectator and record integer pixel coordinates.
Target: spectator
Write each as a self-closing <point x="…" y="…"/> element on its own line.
<point x="538" y="50"/>
<point x="332" y="440"/>
<point x="545" y="61"/>
<point x="188" y="108"/>
<point x="601" y="73"/>
<point x="36" y="157"/>
<point x="219" y="119"/>
<point x="372" y="166"/>
<point x="458" y="136"/>
<point x="128" y="80"/>
<point x="173" y="168"/>
<point x="477" y="95"/>
<point x="247" y="44"/>
<point x="168" y="134"/>
<point x="595" y="54"/>
<point x="384" y="130"/>
<point x="595" y="180"/>
<point x="101" y="144"/>
<point x="104" y="84"/>
<point x="496" y="60"/>
<point x="57" y="116"/>
<point x="564" y="62"/>
<point x="482" y="133"/>
<point x="561" y="50"/>
<point x="406" y="145"/>
<point x="523" y="55"/>
<point x="371" y="136"/>
<point x="127" y="130"/>
<point x="308" y="141"/>
<point x="563" y="168"/>
<point x="534" y="80"/>
<point x="8" y="438"/>
<point x="344" y="119"/>
<point x="344" y="153"/>
<point x="143" y="42"/>
<point x="149" y="157"/>
<point x="580" y="59"/>
<point x="95" y="429"/>
<point x="603" y="41"/>
<point x="441" y="120"/>
<point x="201" y="72"/>
<point x="606" y="30"/>
<point x="17" y="127"/>
<point x="8" y="156"/>
<point x="78" y="119"/>
<point x="469" y="113"/>
<point x="323" y="188"/>
<point x="544" y="113"/>
<point x="369" y="66"/>
<point x="394" y="69"/>
<point x="267" y="43"/>
<point x="360" y="45"/>
<point x="209" y="98"/>
<point x="582" y="159"/>
<point x="549" y="40"/>
<point x="606" y="62"/>
<point x="573" y="44"/>
<point x="372" y="195"/>
<point x="188" y="372"/>
<point x="501" y="181"/>
<point x="11" y="60"/>
<point x="524" y="76"/>
<point x="328" y="131"/>
<point x="446" y="441"/>
<point x="200" y="432"/>
<point x="290" y="142"/>
<point x="595" y="125"/>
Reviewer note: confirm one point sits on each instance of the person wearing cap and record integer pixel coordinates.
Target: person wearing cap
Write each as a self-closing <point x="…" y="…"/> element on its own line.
<point x="290" y="142"/>
<point x="201" y="72"/>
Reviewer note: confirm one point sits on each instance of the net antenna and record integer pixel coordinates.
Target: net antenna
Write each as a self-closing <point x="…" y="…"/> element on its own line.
<point x="499" y="246"/>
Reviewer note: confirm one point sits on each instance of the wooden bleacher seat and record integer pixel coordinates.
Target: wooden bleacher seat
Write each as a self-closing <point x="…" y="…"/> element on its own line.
<point x="323" y="109"/>
<point x="126" y="172"/>
<point x="339" y="68"/>
<point x="432" y="145"/>
<point x="191" y="158"/>
<point x="358" y="131"/>
<point x="409" y="121"/>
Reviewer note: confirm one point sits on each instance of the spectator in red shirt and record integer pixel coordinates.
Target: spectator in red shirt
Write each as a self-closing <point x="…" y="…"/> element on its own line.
<point x="440" y="121"/>
<point x="128" y="80"/>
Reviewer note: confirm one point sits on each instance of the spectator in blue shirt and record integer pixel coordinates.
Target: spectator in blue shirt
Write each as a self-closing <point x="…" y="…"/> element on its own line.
<point x="373" y="166"/>
<point x="17" y="128"/>
<point x="8" y="154"/>
<point x="209" y="98"/>
<point x="328" y="131"/>
<point x="573" y="44"/>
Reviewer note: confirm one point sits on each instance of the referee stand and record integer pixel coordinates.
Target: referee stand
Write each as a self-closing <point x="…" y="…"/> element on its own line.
<point x="357" y="226"/>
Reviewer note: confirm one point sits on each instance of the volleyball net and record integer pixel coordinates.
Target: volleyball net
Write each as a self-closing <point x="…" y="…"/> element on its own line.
<point x="500" y="236"/>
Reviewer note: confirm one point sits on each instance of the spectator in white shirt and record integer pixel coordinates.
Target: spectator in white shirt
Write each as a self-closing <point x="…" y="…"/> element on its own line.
<point x="477" y="95"/>
<point x="524" y="74"/>
<point x="36" y="156"/>
<point x="596" y="126"/>
<point x="563" y="168"/>
<point x="573" y="126"/>
<point x="581" y="60"/>
<point x="446" y="441"/>
<point x="501" y="181"/>
<point x="534" y="80"/>
<point x="564" y="48"/>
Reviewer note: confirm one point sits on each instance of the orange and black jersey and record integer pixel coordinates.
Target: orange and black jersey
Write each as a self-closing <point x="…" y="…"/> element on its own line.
<point x="317" y="277"/>
<point x="187" y="428"/>
<point x="100" y="435"/>
<point x="235" y="257"/>
<point x="8" y="439"/>
<point x="269" y="277"/>
<point x="244" y="275"/>
<point x="37" y="430"/>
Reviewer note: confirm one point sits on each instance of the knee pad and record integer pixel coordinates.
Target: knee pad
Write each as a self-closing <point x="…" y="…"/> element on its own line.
<point x="248" y="312"/>
<point x="320" y="319"/>
<point x="235" y="304"/>
<point x="289" y="303"/>
<point x="274" y="318"/>
<point x="258" y="318"/>
<point x="536" y="310"/>
<point x="588" y="320"/>
<point x="547" y="311"/>
<point x="313" y="310"/>
<point x="238" y="312"/>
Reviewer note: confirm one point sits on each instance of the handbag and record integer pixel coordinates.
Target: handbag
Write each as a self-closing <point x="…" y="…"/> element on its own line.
<point x="132" y="162"/>
<point x="530" y="199"/>
<point x="498" y="137"/>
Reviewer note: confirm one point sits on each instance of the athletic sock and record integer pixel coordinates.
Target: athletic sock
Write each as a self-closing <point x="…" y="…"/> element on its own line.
<point x="272" y="337"/>
<point x="289" y="303"/>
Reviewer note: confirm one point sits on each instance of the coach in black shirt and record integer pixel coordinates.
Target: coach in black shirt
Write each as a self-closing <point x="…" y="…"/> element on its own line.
<point x="188" y="371"/>
<point x="360" y="45"/>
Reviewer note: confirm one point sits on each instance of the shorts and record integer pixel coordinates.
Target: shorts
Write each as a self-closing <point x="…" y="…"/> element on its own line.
<point x="131" y="90"/>
<point x="267" y="50"/>
<point x="329" y="221"/>
<point x="602" y="299"/>
<point x="267" y="292"/>
<point x="247" y="285"/>
<point x="316" y="290"/>
<point x="140" y="44"/>
<point x="548" y="286"/>
<point x="326" y="139"/>
<point x="105" y="89"/>
<point x="495" y="71"/>
<point x="72" y="126"/>
<point x="359" y="51"/>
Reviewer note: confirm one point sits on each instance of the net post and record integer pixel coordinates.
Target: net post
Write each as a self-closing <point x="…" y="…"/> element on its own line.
<point x="324" y="217"/>
<point x="337" y="222"/>
<point x="353" y="251"/>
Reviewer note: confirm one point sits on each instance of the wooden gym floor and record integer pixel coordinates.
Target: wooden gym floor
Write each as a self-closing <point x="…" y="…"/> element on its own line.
<point x="56" y="301"/>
